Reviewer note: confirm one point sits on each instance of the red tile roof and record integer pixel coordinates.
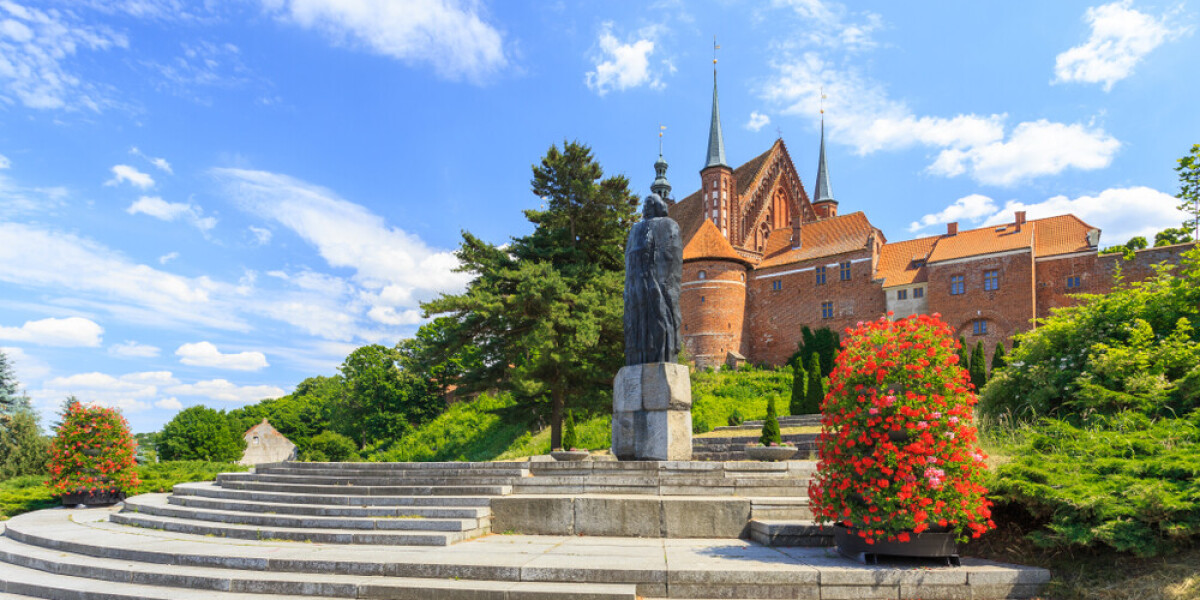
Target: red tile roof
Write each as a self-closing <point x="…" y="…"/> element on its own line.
<point x="1052" y="236"/>
<point x="1064" y="234"/>
<point x="708" y="243"/>
<point x="827" y="237"/>
<point x="987" y="240"/>
<point x="689" y="212"/>
<point x="903" y="263"/>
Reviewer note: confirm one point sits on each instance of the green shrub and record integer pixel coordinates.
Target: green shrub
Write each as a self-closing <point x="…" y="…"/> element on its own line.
<point x="595" y="432"/>
<point x="816" y="387"/>
<point x="998" y="361"/>
<point x="1123" y="481"/>
<point x="799" y="403"/>
<point x="770" y="429"/>
<point x="736" y="418"/>
<point x="716" y="395"/>
<point x="978" y="368"/>
<point x="331" y="446"/>
<point x="23" y="448"/>
<point x="200" y="433"/>
<point x="570" y="439"/>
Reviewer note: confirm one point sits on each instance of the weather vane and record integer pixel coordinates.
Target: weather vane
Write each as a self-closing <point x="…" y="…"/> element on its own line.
<point x="661" y="129"/>
<point x="823" y="99"/>
<point x="715" y="48"/>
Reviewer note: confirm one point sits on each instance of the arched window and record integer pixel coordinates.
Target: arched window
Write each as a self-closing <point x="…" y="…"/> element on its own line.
<point x="701" y="275"/>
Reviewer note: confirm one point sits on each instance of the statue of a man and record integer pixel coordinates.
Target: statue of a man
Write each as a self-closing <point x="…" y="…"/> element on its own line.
<point x="653" y="273"/>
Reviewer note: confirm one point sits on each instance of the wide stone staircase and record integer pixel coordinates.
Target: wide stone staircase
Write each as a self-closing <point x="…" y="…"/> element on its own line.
<point x="730" y="445"/>
<point x="596" y="530"/>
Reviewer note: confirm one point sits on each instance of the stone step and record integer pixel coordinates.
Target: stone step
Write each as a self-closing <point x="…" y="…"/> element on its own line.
<point x="351" y="471"/>
<point x="804" y="533"/>
<point x="788" y="421"/>
<point x="208" y="489"/>
<point x="49" y="574"/>
<point x="373" y="481"/>
<point x="294" y="534"/>
<point x="379" y="490"/>
<point x="781" y="509"/>
<point x="157" y="505"/>
<point x="324" y="510"/>
<point x="410" y="466"/>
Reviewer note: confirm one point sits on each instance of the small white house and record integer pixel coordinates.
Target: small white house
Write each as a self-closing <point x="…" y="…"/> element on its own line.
<point x="264" y="444"/>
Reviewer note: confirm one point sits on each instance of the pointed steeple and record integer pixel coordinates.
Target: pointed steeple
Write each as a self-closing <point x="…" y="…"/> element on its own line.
<point x="824" y="191"/>
<point x="716" y="142"/>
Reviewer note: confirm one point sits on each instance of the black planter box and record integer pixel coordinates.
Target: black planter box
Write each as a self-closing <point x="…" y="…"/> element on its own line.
<point x="96" y="498"/>
<point x="930" y="544"/>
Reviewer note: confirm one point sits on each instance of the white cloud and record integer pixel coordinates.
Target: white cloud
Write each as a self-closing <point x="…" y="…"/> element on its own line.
<point x="36" y="48"/>
<point x="168" y="257"/>
<point x="757" y="121"/>
<point x="224" y="391"/>
<point x="1121" y="213"/>
<point x="967" y="208"/>
<point x="1121" y="36"/>
<point x="131" y="393"/>
<point x="171" y="403"/>
<point x="205" y="354"/>
<point x="128" y="174"/>
<point x="27" y="368"/>
<point x="261" y="235"/>
<point x="452" y="36"/>
<point x="832" y="25"/>
<point x="623" y="66"/>
<point x="860" y="114"/>
<point x="132" y="349"/>
<point x="72" y="331"/>
<point x="172" y="211"/>
<point x="17" y="199"/>
<point x="159" y="163"/>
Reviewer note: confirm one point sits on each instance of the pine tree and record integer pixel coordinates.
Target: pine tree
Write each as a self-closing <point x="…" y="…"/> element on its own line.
<point x="770" y="430"/>
<point x="11" y="398"/>
<point x="978" y="370"/>
<point x="799" y="404"/>
<point x="963" y="360"/>
<point x="23" y="448"/>
<point x="998" y="361"/>
<point x="816" y="386"/>
<point x="570" y="440"/>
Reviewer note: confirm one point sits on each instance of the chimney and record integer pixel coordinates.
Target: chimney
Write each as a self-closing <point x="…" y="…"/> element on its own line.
<point x="796" y="232"/>
<point x="952" y="228"/>
<point x="1020" y="219"/>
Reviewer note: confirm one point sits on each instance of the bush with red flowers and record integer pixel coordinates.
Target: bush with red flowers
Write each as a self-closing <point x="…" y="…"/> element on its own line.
<point x="92" y="451"/>
<point x="898" y="452"/>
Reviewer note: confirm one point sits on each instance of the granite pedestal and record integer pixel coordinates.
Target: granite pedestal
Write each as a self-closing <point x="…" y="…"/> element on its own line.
<point x="652" y="412"/>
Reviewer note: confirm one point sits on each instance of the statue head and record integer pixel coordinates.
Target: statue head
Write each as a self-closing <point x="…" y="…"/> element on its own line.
<point x="653" y="206"/>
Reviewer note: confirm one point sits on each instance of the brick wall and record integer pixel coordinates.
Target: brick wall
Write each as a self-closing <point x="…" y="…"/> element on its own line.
<point x="1007" y="310"/>
<point x="1142" y="265"/>
<point x="776" y="315"/>
<point x="1052" y="275"/>
<point x="714" y="310"/>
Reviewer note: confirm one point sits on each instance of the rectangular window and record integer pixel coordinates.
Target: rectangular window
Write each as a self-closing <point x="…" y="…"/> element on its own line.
<point x="826" y="310"/>
<point x="1073" y="282"/>
<point x="701" y="299"/>
<point x="902" y="294"/>
<point x="981" y="327"/>
<point x="958" y="285"/>
<point x="918" y="292"/>
<point x="821" y="275"/>
<point x="846" y="271"/>
<point x="991" y="280"/>
<point x="777" y="284"/>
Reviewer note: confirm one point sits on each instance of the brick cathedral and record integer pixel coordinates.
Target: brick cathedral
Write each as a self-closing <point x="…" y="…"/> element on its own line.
<point x="762" y="258"/>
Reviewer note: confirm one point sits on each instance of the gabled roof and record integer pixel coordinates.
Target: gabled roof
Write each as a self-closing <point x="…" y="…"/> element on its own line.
<point x="262" y="428"/>
<point x="708" y="244"/>
<point x="986" y="240"/>
<point x="1052" y="236"/>
<point x="1064" y="234"/>
<point x="689" y="212"/>
<point x="827" y="237"/>
<point x="903" y="263"/>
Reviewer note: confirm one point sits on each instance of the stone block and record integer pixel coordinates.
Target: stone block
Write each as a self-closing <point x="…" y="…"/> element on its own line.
<point x="624" y="435"/>
<point x="666" y="386"/>
<point x="706" y="518"/>
<point x="620" y="517"/>
<point x="533" y="516"/>
<point x="627" y="389"/>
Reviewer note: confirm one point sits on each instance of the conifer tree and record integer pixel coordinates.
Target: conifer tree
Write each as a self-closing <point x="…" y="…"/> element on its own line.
<point x="11" y="398"/>
<point x="799" y="404"/>
<point x="770" y="430"/>
<point x="816" y="385"/>
<point x="963" y="358"/>
<point x="570" y="440"/>
<point x="978" y="369"/>
<point x="997" y="358"/>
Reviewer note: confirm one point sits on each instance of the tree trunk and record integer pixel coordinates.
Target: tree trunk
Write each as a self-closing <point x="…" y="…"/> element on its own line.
<point x="556" y="416"/>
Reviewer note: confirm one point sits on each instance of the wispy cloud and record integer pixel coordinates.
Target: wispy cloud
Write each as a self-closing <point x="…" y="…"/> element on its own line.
<point x="158" y="162"/>
<point x="622" y="66"/>
<point x="968" y="208"/>
<point x="757" y="121"/>
<point x="452" y="36"/>
<point x="223" y="391"/>
<point x="172" y="211"/>
<point x="1121" y="36"/>
<point x="130" y="175"/>
<point x="132" y="349"/>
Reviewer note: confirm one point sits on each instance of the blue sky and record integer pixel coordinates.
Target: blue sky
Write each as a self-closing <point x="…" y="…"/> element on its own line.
<point x="207" y="202"/>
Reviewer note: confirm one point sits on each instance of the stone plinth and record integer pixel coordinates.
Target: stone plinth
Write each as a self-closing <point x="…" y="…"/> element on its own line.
<point x="652" y="412"/>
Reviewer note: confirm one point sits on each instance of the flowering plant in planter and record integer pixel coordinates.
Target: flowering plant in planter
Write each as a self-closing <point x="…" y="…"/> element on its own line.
<point x="92" y="452"/>
<point x="898" y="452"/>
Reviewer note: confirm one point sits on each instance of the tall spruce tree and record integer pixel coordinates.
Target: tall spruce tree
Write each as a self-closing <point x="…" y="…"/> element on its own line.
<point x="546" y="313"/>
<point x="11" y="398"/>
<point x="816" y="385"/>
<point x="799" y="401"/>
<point x="978" y="370"/>
<point x="998" y="361"/>
<point x="964" y="359"/>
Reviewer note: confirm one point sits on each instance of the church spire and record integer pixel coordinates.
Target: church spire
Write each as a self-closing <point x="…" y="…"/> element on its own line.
<point x="824" y="204"/>
<point x="661" y="186"/>
<point x="716" y="142"/>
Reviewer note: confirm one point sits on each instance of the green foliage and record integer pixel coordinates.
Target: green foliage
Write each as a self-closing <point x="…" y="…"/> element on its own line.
<point x="23" y="448"/>
<point x="736" y="418"/>
<point x="545" y="314"/>
<point x="1172" y="236"/>
<point x="799" y="404"/>
<point x="717" y="395"/>
<point x="964" y="359"/>
<point x="92" y="450"/>
<point x="162" y="476"/>
<point x="11" y="398"/>
<point x="816" y="386"/>
<point x="570" y="438"/>
<point x="421" y="354"/>
<point x="330" y="446"/>
<point x="299" y="416"/>
<point x="200" y="433"/>
<point x="770" y="430"/>
<point x="381" y="401"/>
<point x="479" y="430"/>
<point x="1133" y="348"/>
<point x="1124" y="481"/>
<point x="823" y="342"/>
<point x="24" y="494"/>
<point x="978" y="367"/>
<point x="1188" y="169"/>
<point x="998" y="361"/>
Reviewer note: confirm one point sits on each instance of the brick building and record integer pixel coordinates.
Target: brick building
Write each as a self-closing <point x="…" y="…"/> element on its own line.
<point x="761" y="259"/>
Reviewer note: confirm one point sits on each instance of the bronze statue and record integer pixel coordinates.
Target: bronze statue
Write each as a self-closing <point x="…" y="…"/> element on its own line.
<point x="653" y="274"/>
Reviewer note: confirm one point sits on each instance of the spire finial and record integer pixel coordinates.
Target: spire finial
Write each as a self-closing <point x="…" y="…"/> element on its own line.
<point x="715" y="48"/>
<point x="661" y="186"/>
<point x="716" y="141"/>
<point x="823" y="189"/>
<point x="661" y="129"/>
